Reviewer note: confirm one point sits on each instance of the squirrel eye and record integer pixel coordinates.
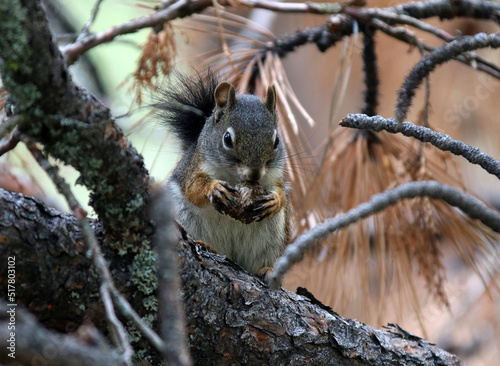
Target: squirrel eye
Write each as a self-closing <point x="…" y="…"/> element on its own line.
<point x="276" y="143"/>
<point x="228" y="141"/>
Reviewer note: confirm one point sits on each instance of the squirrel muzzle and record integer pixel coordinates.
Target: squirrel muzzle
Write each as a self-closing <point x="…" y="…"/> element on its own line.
<point x="252" y="175"/>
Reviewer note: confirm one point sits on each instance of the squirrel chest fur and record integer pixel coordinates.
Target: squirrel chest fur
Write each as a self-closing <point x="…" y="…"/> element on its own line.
<point x="229" y="187"/>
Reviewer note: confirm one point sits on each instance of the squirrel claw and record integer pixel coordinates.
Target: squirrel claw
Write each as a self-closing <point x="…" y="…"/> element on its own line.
<point x="222" y="196"/>
<point x="264" y="207"/>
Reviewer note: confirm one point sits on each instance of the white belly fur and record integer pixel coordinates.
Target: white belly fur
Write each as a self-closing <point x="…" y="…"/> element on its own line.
<point x="252" y="246"/>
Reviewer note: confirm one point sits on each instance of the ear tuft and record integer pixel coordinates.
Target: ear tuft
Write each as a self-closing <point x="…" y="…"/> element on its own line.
<point x="270" y="99"/>
<point x="225" y="95"/>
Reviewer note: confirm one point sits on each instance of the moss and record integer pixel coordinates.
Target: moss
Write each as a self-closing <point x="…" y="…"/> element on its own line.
<point x="150" y="303"/>
<point x="76" y="296"/>
<point x="14" y="39"/>
<point x="143" y="272"/>
<point x="15" y="54"/>
<point x="134" y="336"/>
<point x="134" y="204"/>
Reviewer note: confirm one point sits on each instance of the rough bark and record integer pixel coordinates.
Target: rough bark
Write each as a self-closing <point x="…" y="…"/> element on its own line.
<point x="245" y="323"/>
<point x="48" y="252"/>
<point x="232" y="317"/>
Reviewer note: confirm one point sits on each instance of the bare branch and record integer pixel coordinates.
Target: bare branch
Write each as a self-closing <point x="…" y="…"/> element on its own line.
<point x="93" y="16"/>
<point x="61" y="184"/>
<point x="371" y="74"/>
<point x="424" y="134"/>
<point x="165" y="239"/>
<point x="308" y="7"/>
<point x="429" y="62"/>
<point x="178" y="9"/>
<point x="405" y="35"/>
<point x="446" y="9"/>
<point x="7" y="144"/>
<point x="9" y="124"/>
<point x="36" y="345"/>
<point x="468" y="204"/>
<point x="108" y="289"/>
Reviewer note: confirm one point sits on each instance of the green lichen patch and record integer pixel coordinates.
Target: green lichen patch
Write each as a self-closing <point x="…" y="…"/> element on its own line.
<point x="143" y="272"/>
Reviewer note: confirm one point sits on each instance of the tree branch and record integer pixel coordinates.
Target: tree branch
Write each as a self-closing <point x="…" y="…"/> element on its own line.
<point x="405" y="35"/>
<point x="49" y="251"/>
<point x="228" y="311"/>
<point x="175" y="10"/>
<point x="173" y="331"/>
<point x="370" y="70"/>
<point x="468" y="204"/>
<point x="429" y="62"/>
<point x="424" y="134"/>
<point x="244" y="322"/>
<point x="35" y="345"/>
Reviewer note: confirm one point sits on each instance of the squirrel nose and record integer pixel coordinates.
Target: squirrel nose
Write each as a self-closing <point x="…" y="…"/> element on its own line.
<point x="252" y="175"/>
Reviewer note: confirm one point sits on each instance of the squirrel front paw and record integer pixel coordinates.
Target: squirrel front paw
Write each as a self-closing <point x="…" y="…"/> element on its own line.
<point x="222" y="196"/>
<point x="264" y="206"/>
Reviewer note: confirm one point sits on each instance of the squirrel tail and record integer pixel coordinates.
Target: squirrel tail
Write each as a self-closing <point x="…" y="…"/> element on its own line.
<point x="185" y="106"/>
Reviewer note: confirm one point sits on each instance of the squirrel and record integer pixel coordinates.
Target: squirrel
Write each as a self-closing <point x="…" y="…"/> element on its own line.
<point x="229" y="187"/>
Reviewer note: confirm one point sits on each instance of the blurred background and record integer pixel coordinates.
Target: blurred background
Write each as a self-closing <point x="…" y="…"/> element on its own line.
<point x="439" y="280"/>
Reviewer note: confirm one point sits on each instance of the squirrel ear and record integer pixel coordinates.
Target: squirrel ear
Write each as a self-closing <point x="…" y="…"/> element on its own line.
<point x="270" y="99"/>
<point x="225" y="95"/>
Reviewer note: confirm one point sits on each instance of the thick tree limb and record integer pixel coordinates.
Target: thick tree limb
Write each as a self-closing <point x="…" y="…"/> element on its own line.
<point x="72" y="125"/>
<point x="49" y="251"/>
<point x="227" y="310"/>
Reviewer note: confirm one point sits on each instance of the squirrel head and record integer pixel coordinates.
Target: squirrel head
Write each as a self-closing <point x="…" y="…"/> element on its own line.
<point x="240" y="141"/>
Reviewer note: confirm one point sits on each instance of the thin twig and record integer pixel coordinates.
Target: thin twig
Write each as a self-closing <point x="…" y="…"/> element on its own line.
<point x="429" y="62"/>
<point x="170" y="305"/>
<point x="307" y="7"/>
<point x="178" y="9"/>
<point x="8" y="144"/>
<point x="371" y="74"/>
<point x="393" y="18"/>
<point x="440" y="140"/>
<point x="116" y="329"/>
<point x="407" y="36"/>
<point x="446" y="9"/>
<point x="93" y="16"/>
<point x="9" y="124"/>
<point x="61" y="185"/>
<point x="468" y="204"/>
